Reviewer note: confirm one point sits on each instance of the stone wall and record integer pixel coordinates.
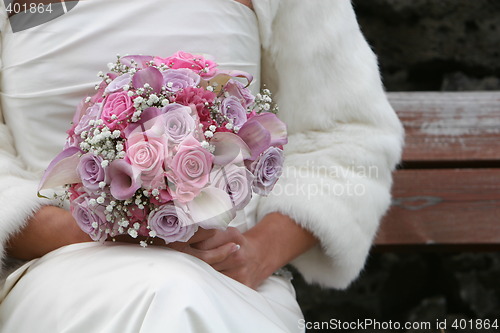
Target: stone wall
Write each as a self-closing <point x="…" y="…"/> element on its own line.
<point x="434" y="44"/>
<point x="449" y="45"/>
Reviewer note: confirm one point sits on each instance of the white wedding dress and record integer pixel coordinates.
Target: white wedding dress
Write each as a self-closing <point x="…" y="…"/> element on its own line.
<point x="89" y="287"/>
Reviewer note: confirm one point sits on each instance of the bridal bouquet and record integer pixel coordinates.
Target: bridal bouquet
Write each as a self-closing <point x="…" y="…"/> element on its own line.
<point x="167" y="145"/>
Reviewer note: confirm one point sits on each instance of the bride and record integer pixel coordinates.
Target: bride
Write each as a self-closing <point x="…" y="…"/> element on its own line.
<point x="344" y="141"/>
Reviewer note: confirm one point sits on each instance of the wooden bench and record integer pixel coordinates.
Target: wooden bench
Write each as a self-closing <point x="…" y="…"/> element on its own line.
<point x="446" y="195"/>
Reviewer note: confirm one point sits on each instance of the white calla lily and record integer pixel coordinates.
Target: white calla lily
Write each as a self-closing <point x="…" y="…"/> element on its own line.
<point x="212" y="209"/>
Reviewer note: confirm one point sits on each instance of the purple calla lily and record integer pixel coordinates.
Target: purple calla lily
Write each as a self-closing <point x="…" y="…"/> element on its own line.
<point x="140" y="60"/>
<point x="125" y="179"/>
<point x="149" y="75"/>
<point x="229" y="148"/>
<point x="262" y="131"/>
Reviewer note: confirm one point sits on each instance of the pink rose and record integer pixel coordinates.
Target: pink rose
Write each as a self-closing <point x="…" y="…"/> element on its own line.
<point x="203" y="67"/>
<point x="164" y="196"/>
<point x="190" y="169"/>
<point x="147" y="153"/>
<point x="117" y="109"/>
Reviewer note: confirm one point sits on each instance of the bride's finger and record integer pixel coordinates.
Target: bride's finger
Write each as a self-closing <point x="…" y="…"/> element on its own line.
<point x="213" y="256"/>
<point x="232" y="262"/>
<point x="231" y="234"/>
<point x="201" y="235"/>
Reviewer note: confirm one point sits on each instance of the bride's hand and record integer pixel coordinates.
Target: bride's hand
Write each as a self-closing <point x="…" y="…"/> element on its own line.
<point x="211" y="256"/>
<point x="251" y="257"/>
<point x="247" y="264"/>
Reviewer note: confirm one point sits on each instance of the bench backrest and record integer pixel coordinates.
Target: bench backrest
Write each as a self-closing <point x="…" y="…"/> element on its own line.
<point x="447" y="191"/>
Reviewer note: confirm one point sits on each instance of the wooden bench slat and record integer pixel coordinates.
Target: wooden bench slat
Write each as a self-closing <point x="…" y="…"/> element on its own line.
<point x="452" y="206"/>
<point x="463" y="126"/>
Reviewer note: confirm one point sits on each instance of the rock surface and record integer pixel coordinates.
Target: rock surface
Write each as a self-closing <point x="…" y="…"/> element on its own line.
<point x="423" y="44"/>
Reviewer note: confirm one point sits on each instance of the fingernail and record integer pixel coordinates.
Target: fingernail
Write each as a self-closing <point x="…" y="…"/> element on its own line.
<point x="236" y="247"/>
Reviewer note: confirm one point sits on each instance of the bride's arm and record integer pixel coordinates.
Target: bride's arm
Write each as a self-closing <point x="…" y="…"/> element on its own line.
<point x="48" y="229"/>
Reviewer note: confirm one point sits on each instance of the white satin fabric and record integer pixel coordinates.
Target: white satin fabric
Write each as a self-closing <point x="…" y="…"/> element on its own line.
<point x="121" y="288"/>
<point x="46" y="71"/>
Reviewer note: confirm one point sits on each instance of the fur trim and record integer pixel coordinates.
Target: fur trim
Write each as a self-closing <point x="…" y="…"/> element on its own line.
<point x="18" y="191"/>
<point x="343" y="134"/>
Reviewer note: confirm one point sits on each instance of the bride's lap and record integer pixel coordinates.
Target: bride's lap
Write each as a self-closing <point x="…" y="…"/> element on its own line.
<point x="124" y="288"/>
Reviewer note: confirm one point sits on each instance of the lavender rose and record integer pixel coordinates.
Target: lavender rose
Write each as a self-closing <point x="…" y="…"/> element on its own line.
<point x="178" y="122"/>
<point x="236" y="181"/>
<point x="237" y="89"/>
<point x="90" y="219"/>
<point x="231" y="107"/>
<point x="92" y="113"/>
<point x="118" y="83"/>
<point x="267" y="169"/>
<point x="91" y="171"/>
<point x="178" y="79"/>
<point x="171" y="224"/>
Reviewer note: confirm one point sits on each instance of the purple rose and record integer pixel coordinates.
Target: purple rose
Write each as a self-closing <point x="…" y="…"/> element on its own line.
<point x="91" y="171"/>
<point x="92" y="113"/>
<point x="118" y="83"/>
<point x="178" y="79"/>
<point x="90" y="219"/>
<point x="178" y="122"/>
<point x="237" y="89"/>
<point x="231" y="107"/>
<point x="171" y="224"/>
<point x="267" y="169"/>
<point x="236" y="181"/>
